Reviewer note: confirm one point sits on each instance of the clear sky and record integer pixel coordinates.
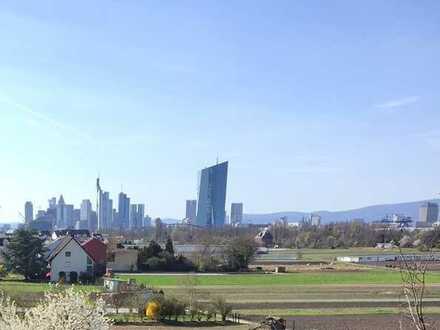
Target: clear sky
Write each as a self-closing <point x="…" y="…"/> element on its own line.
<point x="316" y="104"/>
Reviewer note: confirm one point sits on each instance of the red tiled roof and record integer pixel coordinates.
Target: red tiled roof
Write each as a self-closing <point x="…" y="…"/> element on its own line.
<point x="96" y="249"/>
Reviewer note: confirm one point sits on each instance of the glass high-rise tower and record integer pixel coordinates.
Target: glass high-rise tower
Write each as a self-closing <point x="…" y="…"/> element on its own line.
<point x="124" y="211"/>
<point x="191" y="210"/>
<point x="212" y="196"/>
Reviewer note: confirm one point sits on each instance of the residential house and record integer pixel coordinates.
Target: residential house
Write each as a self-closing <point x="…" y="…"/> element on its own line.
<point x="264" y="238"/>
<point x="70" y="259"/>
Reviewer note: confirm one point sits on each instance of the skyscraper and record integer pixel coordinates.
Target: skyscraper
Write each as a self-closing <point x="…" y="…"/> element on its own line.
<point x="137" y="212"/>
<point x="147" y="221"/>
<point x="60" y="218"/>
<point x="76" y="216"/>
<point x="191" y="210"/>
<point x="93" y="223"/>
<point x="68" y="216"/>
<point x="53" y="203"/>
<point x="141" y="215"/>
<point x="86" y="211"/>
<point x="428" y="212"/>
<point x="104" y="208"/>
<point x="28" y="212"/>
<point x="99" y="206"/>
<point x="108" y="210"/>
<point x="123" y="211"/>
<point x="236" y="214"/>
<point x="212" y="196"/>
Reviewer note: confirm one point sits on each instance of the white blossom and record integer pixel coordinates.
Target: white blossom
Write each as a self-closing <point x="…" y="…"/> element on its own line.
<point x="67" y="310"/>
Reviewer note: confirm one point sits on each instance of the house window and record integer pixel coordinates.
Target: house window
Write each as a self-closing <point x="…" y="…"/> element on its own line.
<point x="68" y="254"/>
<point x="89" y="265"/>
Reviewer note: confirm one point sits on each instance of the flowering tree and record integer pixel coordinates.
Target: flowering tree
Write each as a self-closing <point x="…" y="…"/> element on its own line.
<point x="67" y="310"/>
<point x="9" y="318"/>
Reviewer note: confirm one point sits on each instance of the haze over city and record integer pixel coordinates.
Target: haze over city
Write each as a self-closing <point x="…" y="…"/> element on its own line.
<point x="315" y="106"/>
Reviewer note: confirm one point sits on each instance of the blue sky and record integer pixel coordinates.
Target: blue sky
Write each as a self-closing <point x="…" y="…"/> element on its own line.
<point x="316" y="104"/>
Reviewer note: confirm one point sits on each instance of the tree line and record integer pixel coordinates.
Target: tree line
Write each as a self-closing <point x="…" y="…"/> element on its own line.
<point x="233" y="255"/>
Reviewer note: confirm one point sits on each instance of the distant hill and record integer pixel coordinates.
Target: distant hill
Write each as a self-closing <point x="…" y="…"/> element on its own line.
<point x="369" y="213"/>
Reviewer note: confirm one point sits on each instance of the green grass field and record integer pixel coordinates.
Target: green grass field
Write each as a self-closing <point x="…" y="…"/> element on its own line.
<point x="21" y="287"/>
<point x="374" y="276"/>
<point x="28" y="293"/>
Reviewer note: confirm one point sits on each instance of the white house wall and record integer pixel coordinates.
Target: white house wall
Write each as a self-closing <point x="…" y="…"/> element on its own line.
<point x="78" y="261"/>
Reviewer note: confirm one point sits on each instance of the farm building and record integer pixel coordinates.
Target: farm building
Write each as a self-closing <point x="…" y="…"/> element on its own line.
<point x="193" y="250"/>
<point x="123" y="260"/>
<point x="388" y="258"/>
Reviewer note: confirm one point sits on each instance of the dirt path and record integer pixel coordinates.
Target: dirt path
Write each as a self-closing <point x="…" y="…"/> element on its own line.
<point x="160" y="327"/>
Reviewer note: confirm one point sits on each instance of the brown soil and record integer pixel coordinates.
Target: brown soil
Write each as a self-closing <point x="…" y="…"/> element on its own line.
<point x="376" y="322"/>
<point x="321" y="305"/>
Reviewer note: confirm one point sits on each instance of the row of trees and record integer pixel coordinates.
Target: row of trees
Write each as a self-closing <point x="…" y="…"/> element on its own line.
<point x="154" y="258"/>
<point x="234" y="255"/>
<point x="161" y="308"/>
<point x="335" y="235"/>
<point x="350" y="234"/>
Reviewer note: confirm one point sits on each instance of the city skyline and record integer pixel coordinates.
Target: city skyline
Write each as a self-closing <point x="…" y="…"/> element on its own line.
<point x="107" y="216"/>
<point x="53" y="202"/>
<point x="85" y="217"/>
<point x="312" y="103"/>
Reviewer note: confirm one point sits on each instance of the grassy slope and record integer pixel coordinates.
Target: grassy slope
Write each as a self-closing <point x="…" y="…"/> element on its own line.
<point x="29" y="287"/>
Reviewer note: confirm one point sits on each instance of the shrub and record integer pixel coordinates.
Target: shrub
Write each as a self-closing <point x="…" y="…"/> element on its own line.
<point x="155" y="263"/>
<point x="153" y="309"/>
<point x="211" y="312"/>
<point x="86" y="278"/>
<point x="222" y="307"/>
<point x="3" y="271"/>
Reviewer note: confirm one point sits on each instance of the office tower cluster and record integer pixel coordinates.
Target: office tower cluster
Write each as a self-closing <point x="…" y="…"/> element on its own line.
<point x="127" y="217"/>
<point x="60" y="215"/>
<point x="209" y="209"/>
